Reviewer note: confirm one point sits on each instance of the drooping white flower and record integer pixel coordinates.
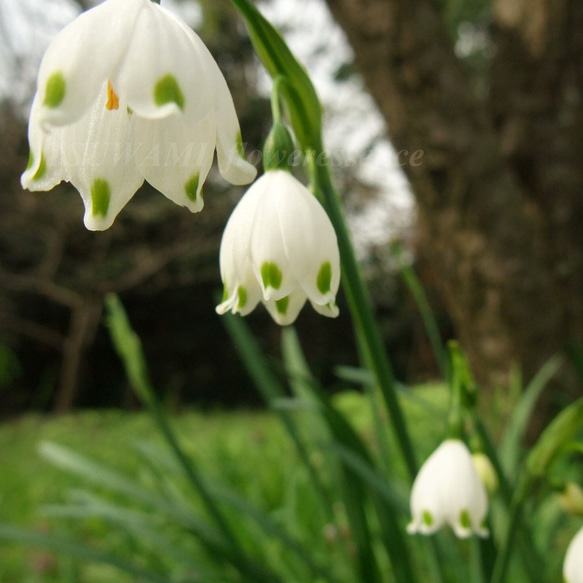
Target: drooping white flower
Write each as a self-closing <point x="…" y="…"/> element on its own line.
<point x="448" y="490"/>
<point x="279" y="248"/>
<point x="129" y="92"/>
<point x="573" y="565"/>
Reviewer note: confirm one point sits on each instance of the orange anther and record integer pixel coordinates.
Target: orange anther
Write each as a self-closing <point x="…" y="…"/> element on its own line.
<point x="112" y="98"/>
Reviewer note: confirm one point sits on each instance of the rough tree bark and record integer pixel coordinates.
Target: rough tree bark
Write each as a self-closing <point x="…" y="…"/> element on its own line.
<point x="500" y="189"/>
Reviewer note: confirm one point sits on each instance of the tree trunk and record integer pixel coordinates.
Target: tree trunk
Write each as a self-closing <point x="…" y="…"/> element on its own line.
<point x="498" y="189"/>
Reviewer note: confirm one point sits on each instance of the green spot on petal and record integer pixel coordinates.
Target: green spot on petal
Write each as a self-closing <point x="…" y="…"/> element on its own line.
<point x="281" y="305"/>
<point x="225" y="294"/>
<point x="167" y="90"/>
<point x="271" y="275"/>
<point x="240" y="146"/>
<point x="427" y="518"/>
<point x="55" y="90"/>
<point x="465" y="519"/>
<point x="42" y="169"/>
<point x="242" y="295"/>
<point x="324" y="278"/>
<point x="100" y="197"/>
<point x="30" y="160"/>
<point x="191" y="187"/>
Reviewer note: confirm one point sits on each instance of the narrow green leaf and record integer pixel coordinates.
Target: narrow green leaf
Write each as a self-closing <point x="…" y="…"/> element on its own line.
<point x="563" y="429"/>
<point x="355" y="491"/>
<point x="130" y="351"/>
<point x="230" y="497"/>
<point x="272" y="390"/>
<point x="374" y="480"/>
<point x="60" y="545"/>
<point x="273" y="530"/>
<point x="303" y="106"/>
<point x="429" y="322"/>
<point x="145" y="527"/>
<point x="530" y="555"/>
<point x="103" y="475"/>
<point x="510" y="445"/>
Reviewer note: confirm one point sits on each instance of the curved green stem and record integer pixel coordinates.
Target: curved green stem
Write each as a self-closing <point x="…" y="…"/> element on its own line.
<point x="360" y="305"/>
<point x="455" y="422"/>
<point x="275" y="97"/>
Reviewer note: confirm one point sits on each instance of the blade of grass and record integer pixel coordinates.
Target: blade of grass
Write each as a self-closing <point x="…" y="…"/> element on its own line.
<point x="271" y="390"/>
<point x="128" y="347"/>
<point x="233" y="499"/>
<point x="375" y="481"/>
<point x="355" y="491"/>
<point x="429" y="322"/>
<point x="509" y="448"/>
<point x="531" y="559"/>
<point x="144" y="526"/>
<point x="103" y="475"/>
<point x="345" y="436"/>
<point x="61" y="545"/>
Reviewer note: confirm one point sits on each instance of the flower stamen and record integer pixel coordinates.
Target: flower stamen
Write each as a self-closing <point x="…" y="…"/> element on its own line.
<point x="112" y="98"/>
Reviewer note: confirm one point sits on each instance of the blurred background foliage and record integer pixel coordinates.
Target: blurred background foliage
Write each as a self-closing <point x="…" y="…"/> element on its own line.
<point x="54" y="352"/>
<point x="490" y="255"/>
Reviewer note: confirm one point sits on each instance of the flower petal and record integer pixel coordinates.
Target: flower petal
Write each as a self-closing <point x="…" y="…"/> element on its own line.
<point x="465" y="498"/>
<point x="329" y="310"/>
<point x="242" y="298"/>
<point x="161" y="73"/>
<point x="242" y="287"/>
<point x="268" y="253"/>
<point x="81" y="57"/>
<point x="448" y="489"/>
<point x="573" y="564"/>
<point x="230" y="150"/>
<point x="235" y="252"/>
<point x="175" y="157"/>
<point x="44" y="169"/>
<point x="285" y="310"/>
<point x="97" y="158"/>
<point x="309" y="239"/>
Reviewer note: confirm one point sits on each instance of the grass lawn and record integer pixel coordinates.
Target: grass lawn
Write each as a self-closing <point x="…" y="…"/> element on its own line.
<point x="249" y="451"/>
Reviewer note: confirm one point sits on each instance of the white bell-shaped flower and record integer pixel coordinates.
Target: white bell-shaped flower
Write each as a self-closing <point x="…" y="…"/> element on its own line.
<point x="279" y="247"/>
<point x="448" y="490"/>
<point x="128" y="92"/>
<point x="573" y="565"/>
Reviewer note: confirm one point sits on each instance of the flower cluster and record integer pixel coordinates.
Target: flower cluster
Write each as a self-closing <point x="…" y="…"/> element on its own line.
<point x="127" y="93"/>
<point x="122" y="81"/>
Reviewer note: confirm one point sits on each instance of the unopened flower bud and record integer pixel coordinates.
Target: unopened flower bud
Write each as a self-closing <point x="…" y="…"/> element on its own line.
<point x="486" y="471"/>
<point x="571" y="498"/>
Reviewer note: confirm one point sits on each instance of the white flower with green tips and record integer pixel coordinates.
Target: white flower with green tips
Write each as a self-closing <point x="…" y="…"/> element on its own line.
<point x="126" y="93"/>
<point x="279" y="248"/>
<point x="573" y="565"/>
<point x="448" y="490"/>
